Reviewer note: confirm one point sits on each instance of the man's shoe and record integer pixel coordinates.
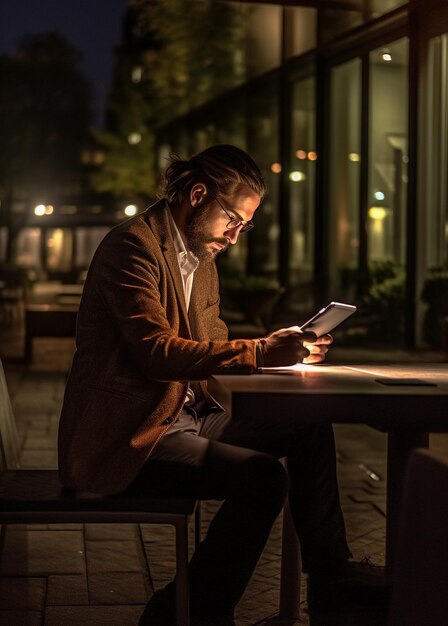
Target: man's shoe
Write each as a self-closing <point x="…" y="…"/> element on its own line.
<point x="161" y="611"/>
<point x="360" y="581"/>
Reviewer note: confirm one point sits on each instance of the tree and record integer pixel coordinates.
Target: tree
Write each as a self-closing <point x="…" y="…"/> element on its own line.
<point x="200" y="53"/>
<point x="188" y="52"/>
<point x="44" y="118"/>
<point x="128" y="169"/>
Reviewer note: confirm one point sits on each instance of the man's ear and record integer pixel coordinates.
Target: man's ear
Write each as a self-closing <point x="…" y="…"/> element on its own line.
<point x="198" y="194"/>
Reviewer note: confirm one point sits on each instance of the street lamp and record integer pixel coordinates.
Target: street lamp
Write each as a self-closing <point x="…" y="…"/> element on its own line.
<point x="130" y="210"/>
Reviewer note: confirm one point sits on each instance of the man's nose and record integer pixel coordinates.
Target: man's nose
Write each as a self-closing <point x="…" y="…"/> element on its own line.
<point x="233" y="233"/>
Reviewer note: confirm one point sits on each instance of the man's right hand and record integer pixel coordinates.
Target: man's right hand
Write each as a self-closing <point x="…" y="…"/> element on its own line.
<point x="285" y="347"/>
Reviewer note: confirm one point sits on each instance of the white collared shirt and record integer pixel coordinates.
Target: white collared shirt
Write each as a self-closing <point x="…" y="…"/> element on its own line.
<point x="188" y="262"/>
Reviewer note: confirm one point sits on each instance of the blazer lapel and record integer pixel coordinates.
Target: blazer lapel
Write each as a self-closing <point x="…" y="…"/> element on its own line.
<point x="160" y="224"/>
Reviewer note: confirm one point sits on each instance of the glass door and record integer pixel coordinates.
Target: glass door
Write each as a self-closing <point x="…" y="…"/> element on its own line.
<point x="302" y="181"/>
<point x="388" y="154"/>
<point x="344" y="177"/>
<point x="432" y="269"/>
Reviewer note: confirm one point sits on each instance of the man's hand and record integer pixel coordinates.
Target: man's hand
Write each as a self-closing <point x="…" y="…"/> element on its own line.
<point x="317" y="349"/>
<point x="289" y="346"/>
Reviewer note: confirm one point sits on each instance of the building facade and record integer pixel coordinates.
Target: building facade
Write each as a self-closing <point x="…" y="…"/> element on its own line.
<point x="344" y="106"/>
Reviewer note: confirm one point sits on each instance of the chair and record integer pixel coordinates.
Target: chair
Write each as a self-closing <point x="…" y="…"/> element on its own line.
<point x="420" y="577"/>
<point x="29" y="496"/>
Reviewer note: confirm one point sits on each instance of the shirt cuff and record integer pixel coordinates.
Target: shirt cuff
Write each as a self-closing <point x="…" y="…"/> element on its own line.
<point x="259" y="352"/>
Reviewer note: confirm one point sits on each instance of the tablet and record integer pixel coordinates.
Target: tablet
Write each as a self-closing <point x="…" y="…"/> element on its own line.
<point x="328" y="318"/>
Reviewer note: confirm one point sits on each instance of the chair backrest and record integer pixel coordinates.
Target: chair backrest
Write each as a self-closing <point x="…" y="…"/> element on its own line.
<point x="9" y="441"/>
<point x="420" y="578"/>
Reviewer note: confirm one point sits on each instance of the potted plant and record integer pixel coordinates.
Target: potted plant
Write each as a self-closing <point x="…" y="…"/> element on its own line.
<point x="435" y="295"/>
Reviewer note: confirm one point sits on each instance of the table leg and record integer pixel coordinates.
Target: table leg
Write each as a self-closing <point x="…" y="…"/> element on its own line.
<point x="291" y="565"/>
<point x="399" y="447"/>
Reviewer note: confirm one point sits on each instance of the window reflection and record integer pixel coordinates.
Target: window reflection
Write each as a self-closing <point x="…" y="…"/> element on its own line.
<point x="302" y="191"/>
<point x="336" y="21"/>
<point x="435" y="180"/>
<point x="345" y="163"/>
<point x="386" y="218"/>
<point x="87" y="241"/>
<point x="59" y="249"/>
<point x="28" y="248"/>
<point x="263" y="38"/>
<point x="3" y="243"/>
<point x="263" y="145"/>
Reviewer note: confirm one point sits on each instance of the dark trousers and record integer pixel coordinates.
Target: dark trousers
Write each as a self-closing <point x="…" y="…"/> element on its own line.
<point x="237" y="462"/>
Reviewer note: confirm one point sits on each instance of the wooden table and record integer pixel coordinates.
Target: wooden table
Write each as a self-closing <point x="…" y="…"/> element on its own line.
<point x="407" y="412"/>
<point x="48" y="320"/>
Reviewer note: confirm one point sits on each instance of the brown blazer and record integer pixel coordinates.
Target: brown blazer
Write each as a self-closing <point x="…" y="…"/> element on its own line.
<point x="137" y="349"/>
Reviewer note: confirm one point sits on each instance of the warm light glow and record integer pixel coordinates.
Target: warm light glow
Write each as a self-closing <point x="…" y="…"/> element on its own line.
<point x="98" y="157"/>
<point x="134" y="138"/>
<point x="386" y="56"/>
<point x="137" y="73"/>
<point x="296" y="177"/>
<point x="130" y="210"/>
<point x="312" y="156"/>
<point x="301" y="154"/>
<point x="49" y="209"/>
<point x="378" y="195"/>
<point x="354" y="156"/>
<point x="276" y="168"/>
<point x="39" y="209"/>
<point x="377" y="212"/>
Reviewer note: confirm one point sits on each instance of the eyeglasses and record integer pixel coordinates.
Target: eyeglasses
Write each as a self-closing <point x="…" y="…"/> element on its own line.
<point x="235" y="220"/>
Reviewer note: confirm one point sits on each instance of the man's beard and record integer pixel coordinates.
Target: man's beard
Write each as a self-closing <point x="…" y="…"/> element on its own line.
<point x="197" y="240"/>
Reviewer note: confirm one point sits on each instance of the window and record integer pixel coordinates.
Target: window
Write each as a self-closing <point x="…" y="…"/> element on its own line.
<point x="3" y="243"/>
<point x="28" y="248"/>
<point x="436" y="163"/>
<point x="388" y="158"/>
<point x="301" y="181"/>
<point x="262" y="139"/>
<point x="432" y="270"/>
<point x="345" y="164"/>
<point x="59" y="249"/>
<point x="87" y="241"/>
<point x="339" y="20"/>
<point x="263" y="37"/>
<point x="300" y="30"/>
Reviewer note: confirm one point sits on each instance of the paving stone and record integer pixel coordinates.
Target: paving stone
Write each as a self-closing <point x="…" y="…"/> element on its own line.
<point x="22" y="593"/>
<point x="21" y="618"/>
<point x="93" y="615"/>
<point x="42" y="552"/>
<point x="14" y="527"/>
<point x="39" y="443"/>
<point x="41" y="459"/>
<point x="118" y="588"/>
<point x="113" y="556"/>
<point x="111" y="532"/>
<point x="68" y="589"/>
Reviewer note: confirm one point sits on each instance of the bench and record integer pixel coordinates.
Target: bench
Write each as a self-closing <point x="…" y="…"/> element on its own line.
<point x="48" y="320"/>
<point x="34" y="496"/>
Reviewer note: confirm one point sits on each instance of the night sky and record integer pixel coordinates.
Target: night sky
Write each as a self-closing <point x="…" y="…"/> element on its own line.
<point x="93" y="26"/>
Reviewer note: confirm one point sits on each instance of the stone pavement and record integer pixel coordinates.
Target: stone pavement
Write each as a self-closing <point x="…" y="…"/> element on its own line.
<point x="62" y="575"/>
